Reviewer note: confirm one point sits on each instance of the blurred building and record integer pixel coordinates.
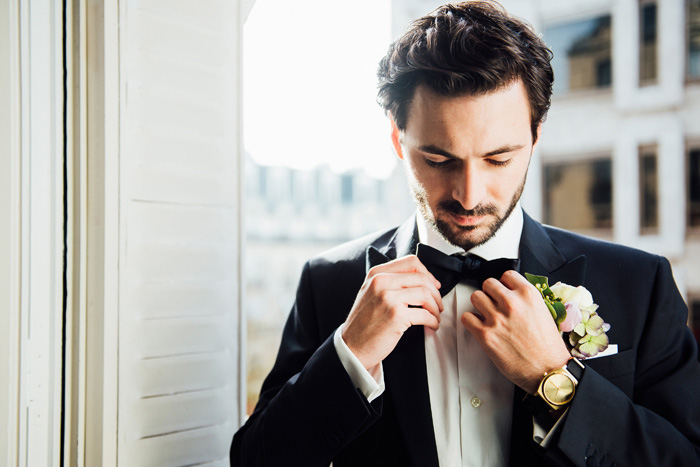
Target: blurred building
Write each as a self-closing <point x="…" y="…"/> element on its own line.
<point x="292" y="215"/>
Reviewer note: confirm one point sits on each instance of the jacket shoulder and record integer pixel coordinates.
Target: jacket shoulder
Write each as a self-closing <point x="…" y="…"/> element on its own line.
<point x="352" y="252"/>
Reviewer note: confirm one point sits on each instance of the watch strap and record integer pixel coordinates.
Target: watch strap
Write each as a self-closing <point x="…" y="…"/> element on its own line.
<point x="576" y="368"/>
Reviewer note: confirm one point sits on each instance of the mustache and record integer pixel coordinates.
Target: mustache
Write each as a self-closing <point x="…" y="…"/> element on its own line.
<point x="454" y="207"/>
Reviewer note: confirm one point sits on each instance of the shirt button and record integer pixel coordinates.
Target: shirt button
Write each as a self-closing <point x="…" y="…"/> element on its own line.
<point x="476" y="402"/>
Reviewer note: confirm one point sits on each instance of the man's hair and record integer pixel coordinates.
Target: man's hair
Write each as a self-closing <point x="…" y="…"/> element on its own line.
<point x="470" y="48"/>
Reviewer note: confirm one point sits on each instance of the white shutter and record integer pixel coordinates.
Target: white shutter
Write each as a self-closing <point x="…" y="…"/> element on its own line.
<point x="179" y="232"/>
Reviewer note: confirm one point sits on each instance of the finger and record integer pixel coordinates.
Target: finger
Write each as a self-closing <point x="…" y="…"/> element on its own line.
<point x="513" y="280"/>
<point x="393" y="281"/>
<point x="473" y="322"/>
<point x="421" y="317"/>
<point x="495" y="290"/>
<point x="484" y="305"/>
<point x="419" y="297"/>
<point x="519" y="285"/>
<point x="406" y="264"/>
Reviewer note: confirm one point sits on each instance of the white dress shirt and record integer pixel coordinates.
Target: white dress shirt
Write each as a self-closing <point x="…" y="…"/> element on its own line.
<point x="471" y="401"/>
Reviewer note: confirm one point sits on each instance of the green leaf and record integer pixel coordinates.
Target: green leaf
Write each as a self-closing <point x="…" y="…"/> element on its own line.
<point x="534" y="280"/>
<point x="541" y="283"/>
<point x="560" y="312"/>
<point x="551" y="310"/>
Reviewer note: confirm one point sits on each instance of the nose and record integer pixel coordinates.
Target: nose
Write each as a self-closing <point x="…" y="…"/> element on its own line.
<point x="469" y="187"/>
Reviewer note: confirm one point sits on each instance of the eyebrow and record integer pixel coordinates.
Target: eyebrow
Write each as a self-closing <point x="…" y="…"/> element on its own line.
<point x="432" y="149"/>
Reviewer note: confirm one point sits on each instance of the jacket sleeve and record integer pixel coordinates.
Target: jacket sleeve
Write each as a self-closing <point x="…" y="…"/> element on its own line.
<point x="657" y="421"/>
<point x="309" y="409"/>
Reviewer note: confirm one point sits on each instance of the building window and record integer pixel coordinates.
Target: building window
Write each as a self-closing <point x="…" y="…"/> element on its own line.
<point x="647" y="42"/>
<point x="693" y="39"/>
<point x="694" y="187"/>
<point x="582" y="54"/>
<point x="648" y="190"/>
<point x="578" y="195"/>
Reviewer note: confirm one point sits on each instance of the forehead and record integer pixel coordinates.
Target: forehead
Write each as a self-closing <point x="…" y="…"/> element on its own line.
<point x="490" y="117"/>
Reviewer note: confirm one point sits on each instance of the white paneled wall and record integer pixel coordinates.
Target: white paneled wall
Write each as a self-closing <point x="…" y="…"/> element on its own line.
<point x="179" y="232"/>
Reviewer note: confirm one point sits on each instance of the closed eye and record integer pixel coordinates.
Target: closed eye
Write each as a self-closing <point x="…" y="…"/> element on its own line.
<point x="498" y="163"/>
<point x="440" y="164"/>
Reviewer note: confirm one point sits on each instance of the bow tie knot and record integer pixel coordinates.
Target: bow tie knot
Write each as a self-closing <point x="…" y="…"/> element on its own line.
<point x="450" y="270"/>
<point x="470" y="264"/>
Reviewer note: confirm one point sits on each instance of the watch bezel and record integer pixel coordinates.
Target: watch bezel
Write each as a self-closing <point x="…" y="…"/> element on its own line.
<point x="548" y="383"/>
<point x="564" y="371"/>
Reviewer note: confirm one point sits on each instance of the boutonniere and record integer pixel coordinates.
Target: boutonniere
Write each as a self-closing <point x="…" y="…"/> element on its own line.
<point x="575" y="314"/>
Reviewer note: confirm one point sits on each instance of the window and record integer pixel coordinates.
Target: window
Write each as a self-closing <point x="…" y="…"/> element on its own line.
<point x="578" y="195"/>
<point x="648" y="190"/>
<point x="694" y="187"/>
<point x="647" y="43"/>
<point x="693" y="66"/>
<point x="310" y="186"/>
<point x="582" y="54"/>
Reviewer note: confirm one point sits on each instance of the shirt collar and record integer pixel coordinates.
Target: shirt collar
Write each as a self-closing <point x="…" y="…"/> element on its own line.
<point x="504" y="244"/>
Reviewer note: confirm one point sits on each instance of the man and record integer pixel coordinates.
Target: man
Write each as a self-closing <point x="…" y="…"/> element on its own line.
<point x="380" y="364"/>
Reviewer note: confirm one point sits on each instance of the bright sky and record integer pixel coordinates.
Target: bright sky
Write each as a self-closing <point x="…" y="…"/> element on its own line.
<point x="310" y="84"/>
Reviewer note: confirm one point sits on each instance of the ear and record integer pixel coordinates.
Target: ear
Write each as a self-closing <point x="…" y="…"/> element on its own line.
<point x="539" y="135"/>
<point x="395" y="139"/>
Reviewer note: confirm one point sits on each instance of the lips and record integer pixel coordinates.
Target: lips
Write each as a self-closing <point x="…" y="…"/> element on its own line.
<point x="467" y="221"/>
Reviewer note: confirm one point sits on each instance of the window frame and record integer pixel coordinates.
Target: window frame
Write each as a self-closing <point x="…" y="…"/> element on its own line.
<point x="604" y="233"/>
<point x="640" y="43"/>
<point x="692" y="231"/>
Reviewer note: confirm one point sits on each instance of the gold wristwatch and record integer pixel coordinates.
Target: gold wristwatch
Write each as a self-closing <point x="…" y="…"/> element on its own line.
<point x="557" y="387"/>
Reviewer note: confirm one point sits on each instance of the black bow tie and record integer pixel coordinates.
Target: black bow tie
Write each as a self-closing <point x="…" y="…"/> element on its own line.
<point x="450" y="270"/>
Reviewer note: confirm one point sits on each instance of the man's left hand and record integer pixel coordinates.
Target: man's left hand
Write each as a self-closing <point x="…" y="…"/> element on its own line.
<point x="516" y="330"/>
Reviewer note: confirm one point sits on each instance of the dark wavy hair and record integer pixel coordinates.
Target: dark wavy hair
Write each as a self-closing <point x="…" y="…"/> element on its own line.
<point x="470" y="48"/>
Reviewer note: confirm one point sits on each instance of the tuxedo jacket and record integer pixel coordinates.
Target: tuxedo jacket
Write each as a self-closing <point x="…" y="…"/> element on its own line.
<point x="639" y="407"/>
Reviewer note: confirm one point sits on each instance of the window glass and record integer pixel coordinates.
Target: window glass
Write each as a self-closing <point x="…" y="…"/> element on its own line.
<point x="578" y="195"/>
<point x="648" y="190"/>
<point x="693" y="38"/>
<point x="319" y="166"/>
<point x="582" y="54"/>
<point x="647" y="43"/>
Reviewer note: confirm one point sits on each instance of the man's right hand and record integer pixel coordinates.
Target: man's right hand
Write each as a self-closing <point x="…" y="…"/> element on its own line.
<point x="395" y="296"/>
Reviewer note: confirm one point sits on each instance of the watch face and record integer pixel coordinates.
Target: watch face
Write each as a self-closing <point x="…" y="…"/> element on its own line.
<point x="558" y="388"/>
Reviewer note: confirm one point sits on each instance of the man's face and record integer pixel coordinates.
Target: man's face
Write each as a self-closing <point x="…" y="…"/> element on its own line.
<point x="466" y="159"/>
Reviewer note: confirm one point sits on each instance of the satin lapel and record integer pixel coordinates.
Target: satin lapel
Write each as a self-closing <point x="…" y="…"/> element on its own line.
<point x="402" y="243"/>
<point x="538" y="255"/>
<point x="405" y="370"/>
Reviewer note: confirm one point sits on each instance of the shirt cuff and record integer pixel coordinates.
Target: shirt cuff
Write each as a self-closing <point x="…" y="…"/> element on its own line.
<point x="540" y="435"/>
<point x="360" y="377"/>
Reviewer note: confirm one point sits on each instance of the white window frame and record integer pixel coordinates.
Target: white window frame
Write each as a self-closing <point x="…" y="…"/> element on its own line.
<point x="33" y="124"/>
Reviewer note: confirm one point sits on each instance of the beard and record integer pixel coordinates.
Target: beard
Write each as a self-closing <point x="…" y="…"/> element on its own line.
<point x="465" y="237"/>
